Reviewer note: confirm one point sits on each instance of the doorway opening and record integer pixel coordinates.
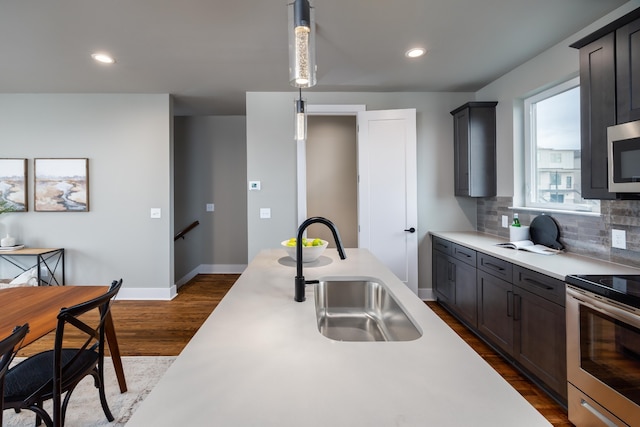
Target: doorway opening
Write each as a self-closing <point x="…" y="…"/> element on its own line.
<point x="332" y="176"/>
<point x="328" y="171"/>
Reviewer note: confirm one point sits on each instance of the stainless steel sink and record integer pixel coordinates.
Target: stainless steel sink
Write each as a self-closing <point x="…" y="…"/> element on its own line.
<point x="361" y="310"/>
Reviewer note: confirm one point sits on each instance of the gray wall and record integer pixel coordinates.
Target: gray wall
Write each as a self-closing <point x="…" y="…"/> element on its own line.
<point x="210" y="167"/>
<point x="128" y="141"/>
<point x="271" y="158"/>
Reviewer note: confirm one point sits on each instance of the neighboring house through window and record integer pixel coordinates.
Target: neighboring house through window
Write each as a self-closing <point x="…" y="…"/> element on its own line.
<point x="552" y="150"/>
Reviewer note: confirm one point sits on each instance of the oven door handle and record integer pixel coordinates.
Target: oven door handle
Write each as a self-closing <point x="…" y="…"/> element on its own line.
<point x="607" y="308"/>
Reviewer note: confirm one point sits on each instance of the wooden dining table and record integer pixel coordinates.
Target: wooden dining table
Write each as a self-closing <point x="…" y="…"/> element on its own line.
<point x="39" y="306"/>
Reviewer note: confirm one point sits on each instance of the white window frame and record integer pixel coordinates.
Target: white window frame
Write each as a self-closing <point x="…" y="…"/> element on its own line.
<point x="530" y="152"/>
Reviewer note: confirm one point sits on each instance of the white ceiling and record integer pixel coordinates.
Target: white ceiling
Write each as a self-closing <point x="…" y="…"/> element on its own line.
<point x="208" y="53"/>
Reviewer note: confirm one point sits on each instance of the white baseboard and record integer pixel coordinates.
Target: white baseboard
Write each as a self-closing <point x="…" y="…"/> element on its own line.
<point x="147" y="293"/>
<point x="211" y="269"/>
<point x="426" y="294"/>
<point x="169" y="294"/>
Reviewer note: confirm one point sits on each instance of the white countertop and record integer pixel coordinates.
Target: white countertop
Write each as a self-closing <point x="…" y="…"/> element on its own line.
<point x="259" y="360"/>
<point x="557" y="266"/>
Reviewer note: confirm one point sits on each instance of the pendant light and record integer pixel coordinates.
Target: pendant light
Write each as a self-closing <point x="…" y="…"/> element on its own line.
<point x="300" y="119"/>
<point x="302" y="60"/>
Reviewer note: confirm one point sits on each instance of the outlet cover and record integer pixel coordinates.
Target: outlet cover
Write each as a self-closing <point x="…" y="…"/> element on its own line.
<point x="265" y="213"/>
<point x="210" y="207"/>
<point x="156" y="213"/>
<point x="619" y="239"/>
<point x="505" y="221"/>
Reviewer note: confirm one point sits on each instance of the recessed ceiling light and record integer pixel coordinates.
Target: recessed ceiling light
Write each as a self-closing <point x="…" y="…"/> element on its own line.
<point x="103" y="58"/>
<point x="416" y="52"/>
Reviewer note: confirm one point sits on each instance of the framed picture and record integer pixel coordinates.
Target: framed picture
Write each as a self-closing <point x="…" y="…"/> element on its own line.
<point x="61" y="185"/>
<point x="13" y="185"/>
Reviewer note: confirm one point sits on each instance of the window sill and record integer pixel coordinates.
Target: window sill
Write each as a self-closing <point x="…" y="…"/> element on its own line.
<point x="552" y="211"/>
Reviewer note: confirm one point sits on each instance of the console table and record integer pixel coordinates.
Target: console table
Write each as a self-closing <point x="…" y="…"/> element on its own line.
<point x="50" y="259"/>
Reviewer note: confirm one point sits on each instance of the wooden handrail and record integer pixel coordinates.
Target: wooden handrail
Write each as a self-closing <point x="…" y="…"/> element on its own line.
<point x="187" y="229"/>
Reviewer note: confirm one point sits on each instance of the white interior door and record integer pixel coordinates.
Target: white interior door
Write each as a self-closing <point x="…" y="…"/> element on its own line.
<point x="387" y="194"/>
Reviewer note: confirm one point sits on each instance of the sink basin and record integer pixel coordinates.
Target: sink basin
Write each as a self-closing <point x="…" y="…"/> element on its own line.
<point x="361" y="310"/>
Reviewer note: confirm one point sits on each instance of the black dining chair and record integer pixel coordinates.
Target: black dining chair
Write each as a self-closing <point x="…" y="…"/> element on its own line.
<point x="8" y="349"/>
<point x="48" y="375"/>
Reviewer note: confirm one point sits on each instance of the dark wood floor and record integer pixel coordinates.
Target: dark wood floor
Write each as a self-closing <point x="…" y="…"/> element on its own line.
<point x="163" y="328"/>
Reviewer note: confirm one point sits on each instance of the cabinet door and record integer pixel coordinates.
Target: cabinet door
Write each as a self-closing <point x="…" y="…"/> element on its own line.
<point x="597" y="112"/>
<point x="540" y="339"/>
<point x="461" y="152"/>
<point x="495" y="310"/>
<point x="628" y="72"/>
<point x="466" y="293"/>
<point x="442" y="278"/>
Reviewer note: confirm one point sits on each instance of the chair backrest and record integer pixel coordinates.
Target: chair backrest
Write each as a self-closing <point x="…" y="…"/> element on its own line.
<point x="9" y="347"/>
<point x="92" y="329"/>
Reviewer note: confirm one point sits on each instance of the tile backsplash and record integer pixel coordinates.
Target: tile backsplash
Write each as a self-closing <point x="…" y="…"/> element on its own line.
<point x="583" y="235"/>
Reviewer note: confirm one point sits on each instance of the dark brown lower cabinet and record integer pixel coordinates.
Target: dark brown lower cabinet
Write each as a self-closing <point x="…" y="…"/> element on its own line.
<point x="495" y="310"/>
<point x="540" y="339"/>
<point x="518" y="311"/>
<point x="454" y="279"/>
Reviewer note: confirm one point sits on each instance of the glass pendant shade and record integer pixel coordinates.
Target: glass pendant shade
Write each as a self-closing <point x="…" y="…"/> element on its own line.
<point x="300" y="120"/>
<point x="302" y="34"/>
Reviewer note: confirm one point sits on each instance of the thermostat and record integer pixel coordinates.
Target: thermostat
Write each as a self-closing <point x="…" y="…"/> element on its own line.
<point x="254" y="185"/>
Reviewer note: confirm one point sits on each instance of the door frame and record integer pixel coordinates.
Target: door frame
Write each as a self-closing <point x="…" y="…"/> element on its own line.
<point x="301" y="150"/>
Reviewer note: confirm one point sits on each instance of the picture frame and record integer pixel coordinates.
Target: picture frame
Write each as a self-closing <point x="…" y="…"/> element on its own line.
<point x="61" y="185"/>
<point x="13" y="185"/>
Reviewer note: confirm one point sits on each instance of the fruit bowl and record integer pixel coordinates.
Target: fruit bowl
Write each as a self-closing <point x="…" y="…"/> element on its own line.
<point x="309" y="253"/>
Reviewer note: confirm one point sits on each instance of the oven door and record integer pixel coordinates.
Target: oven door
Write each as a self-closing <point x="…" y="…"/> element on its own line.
<point x="603" y="357"/>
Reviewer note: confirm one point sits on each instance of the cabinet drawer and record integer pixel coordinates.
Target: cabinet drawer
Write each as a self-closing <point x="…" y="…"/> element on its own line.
<point x="495" y="266"/>
<point x="464" y="254"/>
<point x="540" y="284"/>
<point x="442" y="245"/>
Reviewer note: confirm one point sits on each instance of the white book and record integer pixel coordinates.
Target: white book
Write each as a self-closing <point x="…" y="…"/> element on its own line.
<point x="528" y="245"/>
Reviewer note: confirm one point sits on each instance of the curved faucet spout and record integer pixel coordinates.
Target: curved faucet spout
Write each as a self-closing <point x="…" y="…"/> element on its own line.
<point x="300" y="282"/>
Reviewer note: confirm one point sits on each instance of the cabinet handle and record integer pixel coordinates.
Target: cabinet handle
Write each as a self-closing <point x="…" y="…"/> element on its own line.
<point x="538" y="284"/>
<point x="509" y="303"/>
<point x="463" y="253"/>
<point x="453" y="272"/>
<point x="495" y="267"/>
<point x="517" y="308"/>
<point x="441" y="245"/>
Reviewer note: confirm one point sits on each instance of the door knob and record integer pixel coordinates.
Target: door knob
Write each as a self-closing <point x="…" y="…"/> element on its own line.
<point x="411" y="230"/>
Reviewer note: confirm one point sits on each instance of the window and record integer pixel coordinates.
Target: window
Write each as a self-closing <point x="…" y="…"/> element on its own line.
<point x="552" y="150"/>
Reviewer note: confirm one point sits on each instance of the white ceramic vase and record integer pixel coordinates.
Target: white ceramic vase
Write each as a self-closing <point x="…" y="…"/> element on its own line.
<point x="7" y="241"/>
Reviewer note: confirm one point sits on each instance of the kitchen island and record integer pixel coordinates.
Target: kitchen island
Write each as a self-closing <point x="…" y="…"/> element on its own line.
<point x="259" y="360"/>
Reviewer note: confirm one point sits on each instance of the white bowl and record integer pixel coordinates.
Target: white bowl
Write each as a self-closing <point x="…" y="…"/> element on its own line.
<point x="309" y="253"/>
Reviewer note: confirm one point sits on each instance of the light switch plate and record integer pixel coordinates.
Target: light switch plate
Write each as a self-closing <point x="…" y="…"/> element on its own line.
<point x="265" y="213"/>
<point x="505" y="221"/>
<point x="210" y="207"/>
<point x="618" y="239"/>
<point x="156" y="213"/>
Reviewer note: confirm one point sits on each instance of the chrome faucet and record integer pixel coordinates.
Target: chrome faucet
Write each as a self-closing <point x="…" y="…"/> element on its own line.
<point x="300" y="282"/>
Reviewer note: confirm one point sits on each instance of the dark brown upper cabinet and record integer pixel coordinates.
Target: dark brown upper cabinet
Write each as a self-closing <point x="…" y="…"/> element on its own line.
<point x="474" y="138"/>
<point x="628" y="72"/>
<point x="609" y="95"/>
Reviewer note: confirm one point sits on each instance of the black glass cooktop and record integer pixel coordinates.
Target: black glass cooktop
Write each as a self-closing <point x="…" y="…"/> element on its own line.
<point x="622" y="288"/>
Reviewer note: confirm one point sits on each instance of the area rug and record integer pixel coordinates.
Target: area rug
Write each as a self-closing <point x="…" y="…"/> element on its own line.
<point x="141" y="372"/>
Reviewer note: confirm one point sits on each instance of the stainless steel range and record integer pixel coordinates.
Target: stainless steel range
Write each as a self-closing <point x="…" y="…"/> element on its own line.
<point x="603" y="350"/>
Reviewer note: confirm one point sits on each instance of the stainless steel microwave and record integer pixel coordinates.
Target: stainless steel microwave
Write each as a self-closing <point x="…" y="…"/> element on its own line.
<point x="623" y="150"/>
